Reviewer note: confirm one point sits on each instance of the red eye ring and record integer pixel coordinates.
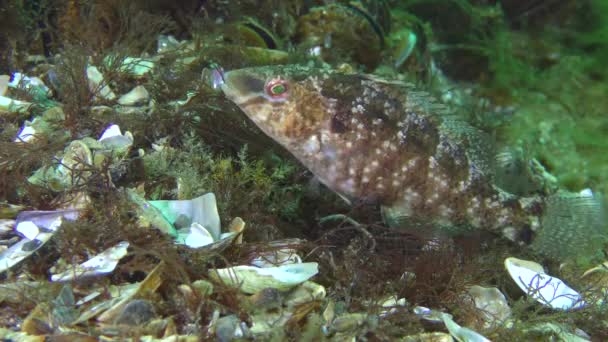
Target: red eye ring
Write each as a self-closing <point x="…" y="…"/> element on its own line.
<point x="277" y="88"/>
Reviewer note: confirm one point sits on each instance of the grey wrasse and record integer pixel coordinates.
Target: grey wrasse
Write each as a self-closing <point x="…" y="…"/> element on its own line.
<point x="371" y="139"/>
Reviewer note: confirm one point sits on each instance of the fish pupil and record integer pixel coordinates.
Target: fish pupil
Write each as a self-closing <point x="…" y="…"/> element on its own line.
<point x="276" y="88"/>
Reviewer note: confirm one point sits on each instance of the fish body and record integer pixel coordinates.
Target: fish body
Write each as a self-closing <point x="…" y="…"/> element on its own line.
<point x="370" y="139"/>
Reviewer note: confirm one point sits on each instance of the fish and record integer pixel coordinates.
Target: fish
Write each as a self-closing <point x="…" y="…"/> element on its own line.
<point x="388" y="142"/>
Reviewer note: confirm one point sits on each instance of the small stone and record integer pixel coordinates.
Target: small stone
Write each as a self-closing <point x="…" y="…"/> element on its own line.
<point x="182" y="221"/>
<point x="227" y="328"/>
<point x="135" y="313"/>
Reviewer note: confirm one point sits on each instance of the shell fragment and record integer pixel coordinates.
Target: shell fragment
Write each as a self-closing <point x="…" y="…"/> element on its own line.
<point x="252" y="279"/>
<point x="137" y="96"/>
<point x="493" y="307"/>
<point x="97" y="84"/>
<point x="548" y="290"/>
<point x="198" y="236"/>
<point x="37" y="225"/>
<point x="100" y="264"/>
<point x="202" y="210"/>
<point x="113" y="138"/>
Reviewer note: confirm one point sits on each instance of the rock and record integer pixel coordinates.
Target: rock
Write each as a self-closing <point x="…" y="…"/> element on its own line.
<point x="136" y="313"/>
<point x="227" y="328"/>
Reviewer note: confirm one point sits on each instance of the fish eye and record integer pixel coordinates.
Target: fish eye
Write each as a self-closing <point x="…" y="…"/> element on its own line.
<point x="276" y="88"/>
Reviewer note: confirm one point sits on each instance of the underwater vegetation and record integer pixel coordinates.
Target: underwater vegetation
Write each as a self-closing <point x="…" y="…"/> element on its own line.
<point x="303" y="170"/>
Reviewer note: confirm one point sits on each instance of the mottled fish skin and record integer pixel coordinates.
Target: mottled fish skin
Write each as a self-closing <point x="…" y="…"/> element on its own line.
<point x="375" y="140"/>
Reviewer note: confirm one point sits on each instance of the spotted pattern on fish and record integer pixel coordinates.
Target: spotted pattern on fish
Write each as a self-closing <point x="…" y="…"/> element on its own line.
<point x="375" y="140"/>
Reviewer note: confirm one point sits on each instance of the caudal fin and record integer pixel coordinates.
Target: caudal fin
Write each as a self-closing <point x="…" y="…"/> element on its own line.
<point x="573" y="227"/>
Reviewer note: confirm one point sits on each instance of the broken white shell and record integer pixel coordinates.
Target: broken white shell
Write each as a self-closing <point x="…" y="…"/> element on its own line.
<point x="132" y="66"/>
<point x="45" y="223"/>
<point x="45" y="123"/>
<point x="198" y="236"/>
<point x="167" y="43"/>
<point x="27" y="134"/>
<point x="462" y="334"/>
<point x="28" y="229"/>
<point x="97" y="85"/>
<point x="391" y="305"/>
<point x="100" y="264"/>
<point x="429" y="315"/>
<point x="429" y="337"/>
<point x="252" y="279"/>
<point x="547" y="290"/>
<point x="137" y="67"/>
<point x="493" y="306"/>
<point x="276" y="258"/>
<point x="202" y="210"/>
<point x="137" y="96"/>
<point x="603" y="267"/>
<point x="77" y="156"/>
<point x="113" y="138"/>
<point x="27" y="82"/>
<point x="13" y="106"/>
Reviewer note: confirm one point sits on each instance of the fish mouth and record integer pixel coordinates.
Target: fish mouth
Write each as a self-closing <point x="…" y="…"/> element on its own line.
<point x="240" y="85"/>
<point x="218" y="77"/>
<point x="226" y="82"/>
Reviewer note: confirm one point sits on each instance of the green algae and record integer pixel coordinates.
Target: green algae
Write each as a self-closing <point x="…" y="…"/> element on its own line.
<point x="563" y="125"/>
<point x="243" y="185"/>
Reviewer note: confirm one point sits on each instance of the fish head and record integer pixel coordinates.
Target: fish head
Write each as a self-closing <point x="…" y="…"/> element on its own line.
<point x="285" y="102"/>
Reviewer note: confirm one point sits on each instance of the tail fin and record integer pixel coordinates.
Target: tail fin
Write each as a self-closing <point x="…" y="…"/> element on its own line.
<point x="573" y="227"/>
